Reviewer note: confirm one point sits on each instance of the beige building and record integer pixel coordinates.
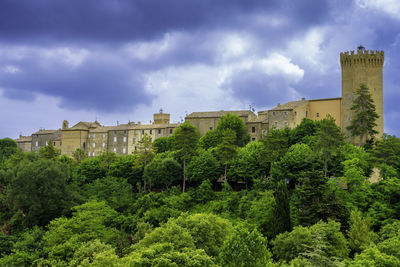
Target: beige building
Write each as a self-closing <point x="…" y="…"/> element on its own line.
<point x="362" y="66"/>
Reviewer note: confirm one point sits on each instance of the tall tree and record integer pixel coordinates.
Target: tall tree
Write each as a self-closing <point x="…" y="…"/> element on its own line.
<point x="7" y="148"/>
<point x="49" y="151"/>
<point x="233" y="122"/>
<point x="329" y="138"/>
<point x="365" y="116"/>
<point x="145" y="152"/>
<point x="226" y="150"/>
<point x="185" y="141"/>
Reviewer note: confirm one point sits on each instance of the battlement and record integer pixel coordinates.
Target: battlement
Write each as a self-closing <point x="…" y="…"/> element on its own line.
<point x="362" y="57"/>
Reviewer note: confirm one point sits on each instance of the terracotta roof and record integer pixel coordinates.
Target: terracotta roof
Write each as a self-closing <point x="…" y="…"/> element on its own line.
<point x="84" y="125"/>
<point x="217" y="114"/>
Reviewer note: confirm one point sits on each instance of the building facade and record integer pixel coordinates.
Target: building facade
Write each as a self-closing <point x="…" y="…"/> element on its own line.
<point x="360" y="67"/>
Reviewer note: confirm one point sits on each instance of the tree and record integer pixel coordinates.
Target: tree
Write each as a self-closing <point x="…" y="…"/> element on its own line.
<point x="162" y="144"/>
<point x="245" y="248"/>
<point x="203" y="166"/>
<point x="365" y="116"/>
<point x="7" y="148"/>
<point x="360" y="234"/>
<point x="145" y="152"/>
<point x="226" y="150"/>
<point x="162" y="171"/>
<point x="387" y="151"/>
<point x="329" y="138"/>
<point x="306" y="128"/>
<point x="233" y="122"/>
<point x="49" y="151"/>
<point x="78" y="155"/>
<point x="211" y="139"/>
<point x="38" y="191"/>
<point x="186" y="138"/>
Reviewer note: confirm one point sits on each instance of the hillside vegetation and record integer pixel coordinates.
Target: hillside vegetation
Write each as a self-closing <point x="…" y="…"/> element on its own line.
<point x="299" y="197"/>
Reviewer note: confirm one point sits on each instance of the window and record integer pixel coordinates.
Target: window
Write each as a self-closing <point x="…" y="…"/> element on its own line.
<point x="159" y="131"/>
<point x="124" y="131"/>
<point x="211" y="128"/>
<point x="124" y="150"/>
<point x="54" y="143"/>
<point x="253" y="139"/>
<point x="124" y="139"/>
<point x="93" y="154"/>
<point x="134" y="140"/>
<point x="142" y="131"/>
<point x="89" y="135"/>
<point x="115" y="150"/>
<point x="317" y="115"/>
<point x="253" y="129"/>
<point x="104" y="135"/>
<point x="285" y="113"/>
<point x="104" y="145"/>
<point x="273" y="113"/>
<point x="276" y="123"/>
<point x="306" y="113"/>
<point x="115" y="139"/>
<point x="135" y="148"/>
<point x="94" y="135"/>
<point x="94" y="144"/>
<point x="170" y="131"/>
<point x="151" y="131"/>
<point x="88" y="154"/>
<point x="115" y="132"/>
<point x="37" y="143"/>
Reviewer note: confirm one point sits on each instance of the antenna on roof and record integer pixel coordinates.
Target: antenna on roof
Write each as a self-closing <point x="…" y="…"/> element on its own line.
<point x="161" y="110"/>
<point x="361" y="48"/>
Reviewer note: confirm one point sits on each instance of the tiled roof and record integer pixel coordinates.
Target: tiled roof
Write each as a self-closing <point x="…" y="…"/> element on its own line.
<point x="24" y="139"/>
<point x="291" y="105"/>
<point x="43" y="131"/>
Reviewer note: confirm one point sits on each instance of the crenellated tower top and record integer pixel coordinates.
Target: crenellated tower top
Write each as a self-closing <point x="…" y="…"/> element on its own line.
<point x="362" y="57"/>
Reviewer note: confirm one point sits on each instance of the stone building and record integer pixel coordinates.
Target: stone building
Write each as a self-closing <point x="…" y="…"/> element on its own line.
<point x="362" y="66"/>
<point x="24" y="142"/>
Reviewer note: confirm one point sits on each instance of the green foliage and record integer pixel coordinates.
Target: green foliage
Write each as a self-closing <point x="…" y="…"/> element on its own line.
<point x="244" y="248"/>
<point x="163" y="144"/>
<point x="365" y="116"/>
<point x="387" y="151"/>
<point x="128" y="167"/>
<point x="162" y="172"/>
<point x="226" y="150"/>
<point x="211" y="139"/>
<point x="276" y="144"/>
<point x="78" y="155"/>
<point x="301" y="132"/>
<point x="49" y="151"/>
<point x="7" y="148"/>
<point x="203" y="166"/>
<point x="38" y="192"/>
<point x="186" y="138"/>
<point x="249" y="163"/>
<point x="371" y="256"/>
<point x="90" y="221"/>
<point x="234" y="123"/>
<point x="360" y="233"/>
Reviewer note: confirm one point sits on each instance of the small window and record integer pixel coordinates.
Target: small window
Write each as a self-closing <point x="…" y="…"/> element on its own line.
<point x="115" y="150"/>
<point x="134" y="140"/>
<point x="89" y="135"/>
<point x="211" y="128"/>
<point x="253" y="129"/>
<point x="253" y="139"/>
<point x="306" y="113"/>
<point x="151" y="131"/>
<point x="170" y="131"/>
<point x="276" y="123"/>
<point x="104" y="145"/>
<point x="135" y="148"/>
<point x="115" y="132"/>
<point x="104" y="135"/>
<point x="88" y="154"/>
<point x="273" y="113"/>
<point x="124" y="150"/>
<point x="317" y="115"/>
<point x="124" y="131"/>
<point x="54" y="143"/>
<point x="94" y="135"/>
<point x="159" y="131"/>
<point x="94" y="144"/>
<point x="93" y="154"/>
<point x="37" y="143"/>
<point x="285" y="113"/>
<point x="142" y="131"/>
<point x="124" y="139"/>
<point x="115" y="139"/>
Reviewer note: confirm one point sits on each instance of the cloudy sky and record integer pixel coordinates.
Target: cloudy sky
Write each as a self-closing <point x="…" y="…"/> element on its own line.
<point x="121" y="60"/>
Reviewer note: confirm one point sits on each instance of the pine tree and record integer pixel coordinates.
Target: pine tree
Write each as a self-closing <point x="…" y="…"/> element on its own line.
<point x="365" y="116"/>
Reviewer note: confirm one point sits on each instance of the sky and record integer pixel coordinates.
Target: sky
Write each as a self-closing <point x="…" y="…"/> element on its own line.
<point x="120" y="60"/>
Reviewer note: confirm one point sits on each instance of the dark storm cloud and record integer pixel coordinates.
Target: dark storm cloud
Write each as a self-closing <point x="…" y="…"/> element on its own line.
<point x="96" y="84"/>
<point x="117" y="20"/>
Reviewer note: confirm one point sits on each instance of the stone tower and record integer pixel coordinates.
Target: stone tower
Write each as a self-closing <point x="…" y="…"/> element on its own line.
<point x="364" y="66"/>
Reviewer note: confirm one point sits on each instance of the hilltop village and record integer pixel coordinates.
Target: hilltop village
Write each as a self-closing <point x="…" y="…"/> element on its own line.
<point x="358" y="67"/>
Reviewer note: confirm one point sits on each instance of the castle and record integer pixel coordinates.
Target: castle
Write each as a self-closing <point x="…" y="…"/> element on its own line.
<point x="362" y="66"/>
